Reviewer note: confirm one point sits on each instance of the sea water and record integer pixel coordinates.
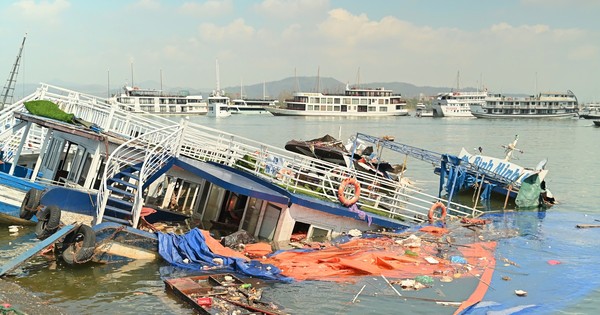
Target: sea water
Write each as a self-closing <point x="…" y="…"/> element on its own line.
<point x="569" y="145"/>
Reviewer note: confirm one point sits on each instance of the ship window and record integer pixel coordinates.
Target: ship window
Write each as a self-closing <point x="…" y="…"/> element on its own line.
<point x="383" y="109"/>
<point x="347" y="101"/>
<point x="336" y="100"/>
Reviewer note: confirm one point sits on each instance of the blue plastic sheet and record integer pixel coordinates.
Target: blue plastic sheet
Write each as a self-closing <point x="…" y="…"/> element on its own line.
<point x="191" y="252"/>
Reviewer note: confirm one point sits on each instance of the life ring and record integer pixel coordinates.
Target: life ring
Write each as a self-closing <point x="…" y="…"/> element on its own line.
<point x="30" y="203"/>
<point x="48" y="222"/>
<point x="345" y="201"/>
<point x="80" y="245"/>
<point x="434" y="207"/>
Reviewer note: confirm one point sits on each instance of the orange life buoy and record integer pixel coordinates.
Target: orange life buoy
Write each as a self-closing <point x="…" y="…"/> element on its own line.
<point x="345" y="201"/>
<point x="434" y="207"/>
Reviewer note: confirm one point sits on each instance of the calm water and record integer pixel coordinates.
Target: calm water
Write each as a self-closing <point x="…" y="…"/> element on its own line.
<point x="569" y="145"/>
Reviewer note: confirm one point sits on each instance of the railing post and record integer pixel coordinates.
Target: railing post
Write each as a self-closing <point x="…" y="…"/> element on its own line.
<point x="20" y="148"/>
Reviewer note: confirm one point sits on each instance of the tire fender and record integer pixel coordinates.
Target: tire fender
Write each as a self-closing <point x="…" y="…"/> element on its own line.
<point x="30" y="203"/>
<point x="79" y="245"/>
<point x="48" y="222"/>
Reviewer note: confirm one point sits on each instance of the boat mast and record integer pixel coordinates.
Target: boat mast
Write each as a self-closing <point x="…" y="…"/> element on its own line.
<point x="218" y="92"/>
<point x="458" y="81"/>
<point x="318" y="79"/>
<point x="510" y="148"/>
<point x="9" y="88"/>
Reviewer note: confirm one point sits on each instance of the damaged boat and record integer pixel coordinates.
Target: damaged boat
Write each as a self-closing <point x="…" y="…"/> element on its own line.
<point x="127" y="177"/>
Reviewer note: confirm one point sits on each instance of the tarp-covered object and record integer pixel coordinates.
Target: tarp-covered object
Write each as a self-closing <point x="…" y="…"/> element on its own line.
<point x="197" y="249"/>
<point x="529" y="192"/>
<point x="48" y="109"/>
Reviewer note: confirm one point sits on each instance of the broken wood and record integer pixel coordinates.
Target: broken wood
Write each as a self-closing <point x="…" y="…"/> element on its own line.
<point x="587" y="226"/>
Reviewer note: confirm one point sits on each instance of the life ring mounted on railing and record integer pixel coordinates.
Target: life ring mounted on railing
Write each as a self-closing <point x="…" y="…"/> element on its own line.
<point x="342" y="197"/>
<point x="434" y="207"/>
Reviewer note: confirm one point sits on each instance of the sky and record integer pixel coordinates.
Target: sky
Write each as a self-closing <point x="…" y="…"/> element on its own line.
<point x="507" y="46"/>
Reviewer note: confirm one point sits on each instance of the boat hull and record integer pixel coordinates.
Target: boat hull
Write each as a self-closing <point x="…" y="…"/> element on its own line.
<point x="291" y="112"/>
<point x="526" y="116"/>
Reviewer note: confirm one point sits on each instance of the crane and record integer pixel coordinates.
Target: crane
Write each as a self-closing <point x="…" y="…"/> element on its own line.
<point x="9" y="88"/>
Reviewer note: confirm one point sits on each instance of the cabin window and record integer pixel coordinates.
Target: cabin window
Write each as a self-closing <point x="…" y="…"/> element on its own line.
<point x="317" y="234"/>
<point x="269" y="222"/>
<point x="250" y="220"/>
<point x="336" y="100"/>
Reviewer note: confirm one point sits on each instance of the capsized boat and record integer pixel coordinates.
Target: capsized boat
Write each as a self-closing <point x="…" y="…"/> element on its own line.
<point x="354" y="153"/>
<point x="100" y="165"/>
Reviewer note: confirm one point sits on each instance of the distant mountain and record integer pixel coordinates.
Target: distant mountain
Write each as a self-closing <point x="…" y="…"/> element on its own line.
<point x="281" y="89"/>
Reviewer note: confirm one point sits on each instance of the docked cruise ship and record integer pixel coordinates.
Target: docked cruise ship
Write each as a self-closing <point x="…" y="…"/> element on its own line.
<point x="542" y="105"/>
<point x="354" y="102"/>
<point x="149" y="101"/>
<point x="457" y="104"/>
<point x="251" y="106"/>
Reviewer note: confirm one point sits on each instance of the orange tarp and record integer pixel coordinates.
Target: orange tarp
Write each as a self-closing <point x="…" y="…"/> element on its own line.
<point x="216" y="247"/>
<point x="380" y="256"/>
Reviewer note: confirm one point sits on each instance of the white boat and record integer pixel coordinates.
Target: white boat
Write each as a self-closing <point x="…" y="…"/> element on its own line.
<point x="243" y="105"/>
<point x="354" y="102"/>
<point x="423" y="111"/>
<point x="251" y="106"/>
<point x="543" y="105"/>
<point x="457" y="104"/>
<point x="218" y="103"/>
<point x="590" y="111"/>
<point x="148" y="101"/>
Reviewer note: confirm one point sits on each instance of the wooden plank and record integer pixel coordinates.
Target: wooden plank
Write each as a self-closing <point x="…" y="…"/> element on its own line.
<point x="587" y="226"/>
<point x="15" y="262"/>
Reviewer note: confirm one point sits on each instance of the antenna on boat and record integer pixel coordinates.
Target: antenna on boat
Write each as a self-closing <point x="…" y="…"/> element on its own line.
<point x="9" y="88"/>
<point x="241" y="88"/>
<point x="358" y="78"/>
<point x="510" y="148"/>
<point x="131" y="65"/>
<point x="318" y="79"/>
<point x="218" y="84"/>
<point x="297" y="83"/>
<point x="161" y="87"/>
<point x="458" y="80"/>
<point x="108" y="83"/>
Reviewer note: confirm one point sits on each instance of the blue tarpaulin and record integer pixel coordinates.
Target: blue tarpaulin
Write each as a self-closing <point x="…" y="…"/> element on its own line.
<point x="191" y="251"/>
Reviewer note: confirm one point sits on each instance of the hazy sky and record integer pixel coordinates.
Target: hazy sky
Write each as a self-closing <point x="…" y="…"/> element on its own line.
<point x="512" y="46"/>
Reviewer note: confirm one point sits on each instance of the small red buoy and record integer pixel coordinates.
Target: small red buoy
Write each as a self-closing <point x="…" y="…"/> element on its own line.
<point x="554" y="262"/>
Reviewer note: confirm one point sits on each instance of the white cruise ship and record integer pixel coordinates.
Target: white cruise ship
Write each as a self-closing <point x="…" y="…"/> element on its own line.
<point x="147" y="101"/>
<point x="251" y="106"/>
<point x="355" y="102"/>
<point x="543" y="105"/>
<point x="457" y="104"/>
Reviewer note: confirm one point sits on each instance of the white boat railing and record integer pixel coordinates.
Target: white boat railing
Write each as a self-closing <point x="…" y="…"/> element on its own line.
<point x="302" y="174"/>
<point x="152" y="150"/>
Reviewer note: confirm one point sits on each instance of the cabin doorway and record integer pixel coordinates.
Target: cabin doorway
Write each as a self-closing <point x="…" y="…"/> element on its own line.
<point x="269" y="222"/>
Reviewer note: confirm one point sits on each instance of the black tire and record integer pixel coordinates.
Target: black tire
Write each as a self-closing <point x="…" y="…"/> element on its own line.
<point x="79" y="245"/>
<point x="30" y="204"/>
<point x="48" y="222"/>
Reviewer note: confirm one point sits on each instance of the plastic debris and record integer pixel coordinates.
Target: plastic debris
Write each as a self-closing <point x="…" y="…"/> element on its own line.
<point x="458" y="260"/>
<point x="520" y="293"/>
<point x="424" y="279"/>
